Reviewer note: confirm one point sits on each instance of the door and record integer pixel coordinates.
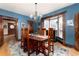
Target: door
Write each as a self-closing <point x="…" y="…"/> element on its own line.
<point x="77" y="31"/>
<point x="1" y="32"/>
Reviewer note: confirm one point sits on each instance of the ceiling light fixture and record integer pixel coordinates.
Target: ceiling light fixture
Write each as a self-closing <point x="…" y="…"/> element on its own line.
<point x="35" y="14"/>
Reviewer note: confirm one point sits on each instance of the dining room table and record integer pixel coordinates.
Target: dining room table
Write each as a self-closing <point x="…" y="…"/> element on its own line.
<point x="40" y="39"/>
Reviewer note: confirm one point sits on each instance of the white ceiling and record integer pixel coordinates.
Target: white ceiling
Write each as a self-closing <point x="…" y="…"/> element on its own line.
<point x="29" y="8"/>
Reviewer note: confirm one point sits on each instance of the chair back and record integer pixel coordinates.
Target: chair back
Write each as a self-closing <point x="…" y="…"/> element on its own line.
<point x="24" y="36"/>
<point x="25" y="33"/>
<point x="39" y="31"/>
<point x="43" y="31"/>
<point x="51" y="35"/>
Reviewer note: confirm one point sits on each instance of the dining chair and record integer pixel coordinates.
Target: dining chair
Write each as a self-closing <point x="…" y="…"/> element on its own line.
<point x="39" y="31"/>
<point x="48" y="46"/>
<point x="51" y="37"/>
<point x="26" y="42"/>
<point x="43" y="31"/>
<point x="41" y="43"/>
<point x="22" y="37"/>
<point x="30" y="45"/>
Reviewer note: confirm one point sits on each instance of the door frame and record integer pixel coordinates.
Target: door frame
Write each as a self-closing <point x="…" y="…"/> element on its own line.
<point x="16" y="23"/>
<point x="75" y="27"/>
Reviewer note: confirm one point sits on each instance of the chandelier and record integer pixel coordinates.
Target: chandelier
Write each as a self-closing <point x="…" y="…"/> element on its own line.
<point x="35" y="16"/>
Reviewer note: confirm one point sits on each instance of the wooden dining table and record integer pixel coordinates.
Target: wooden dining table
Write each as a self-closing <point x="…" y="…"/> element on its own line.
<point x="36" y="41"/>
<point x="41" y="39"/>
<point x="38" y="37"/>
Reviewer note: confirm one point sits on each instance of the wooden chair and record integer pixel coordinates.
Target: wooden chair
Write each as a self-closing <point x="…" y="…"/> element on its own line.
<point x="27" y="43"/>
<point x="39" y="30"/>
<point x="23" y="36"/>
<point x="51" y="35"/>
<point x="41" y="44"/>
<point x="49" y="45"/>
<point x="43" y="31"/>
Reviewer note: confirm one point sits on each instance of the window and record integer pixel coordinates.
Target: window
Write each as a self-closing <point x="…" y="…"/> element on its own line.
<point x="53" y="24"/>
<point x="56" y="23"/>
<point x="60" y="27"/>
<point x="46" y="24"/>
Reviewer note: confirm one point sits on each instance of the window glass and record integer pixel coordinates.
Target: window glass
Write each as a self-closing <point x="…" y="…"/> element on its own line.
<point x="61" y="27"/>
<point x="46" y="24"/>
<point x="53" y="24"/>
<point x="56" y="23"/>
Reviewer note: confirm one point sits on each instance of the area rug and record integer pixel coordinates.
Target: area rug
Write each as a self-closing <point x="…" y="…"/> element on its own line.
<point x="17" y="51"/>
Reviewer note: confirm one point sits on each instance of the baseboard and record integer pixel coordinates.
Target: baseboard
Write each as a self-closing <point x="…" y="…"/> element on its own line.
<point x="65" y="44"/>
<point x="71" y="46"/>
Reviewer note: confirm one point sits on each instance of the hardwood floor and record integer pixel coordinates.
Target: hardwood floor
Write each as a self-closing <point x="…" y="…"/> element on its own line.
<point x="72" y="51"/>
<point x="5" y="51"/>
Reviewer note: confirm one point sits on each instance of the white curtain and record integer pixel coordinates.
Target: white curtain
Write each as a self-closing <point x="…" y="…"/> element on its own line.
<point x="61" y="27"/>
<point x="53" y="24"/>
<point x="46" y="24"/>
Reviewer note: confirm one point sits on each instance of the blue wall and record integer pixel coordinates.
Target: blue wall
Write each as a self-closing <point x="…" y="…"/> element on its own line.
<point x="36" y="24"/>
<point x="70" y="14"/>
<point x="21" y="18"/>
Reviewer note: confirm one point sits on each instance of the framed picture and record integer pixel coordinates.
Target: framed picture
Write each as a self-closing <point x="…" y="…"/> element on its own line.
<point x="70" y="23"/>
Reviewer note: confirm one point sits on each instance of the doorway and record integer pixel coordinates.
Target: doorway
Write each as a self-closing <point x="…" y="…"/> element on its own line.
<point x="9" y="28"/>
